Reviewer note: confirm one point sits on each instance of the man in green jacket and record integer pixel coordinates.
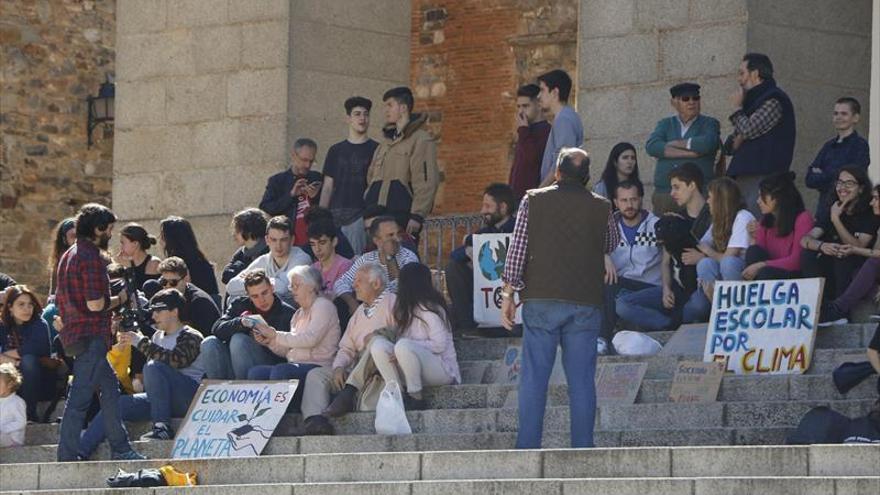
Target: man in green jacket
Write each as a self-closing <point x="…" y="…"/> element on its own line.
<point x="686" y="136"/>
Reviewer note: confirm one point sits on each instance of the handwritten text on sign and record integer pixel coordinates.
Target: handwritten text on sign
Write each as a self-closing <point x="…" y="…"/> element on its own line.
<point x="232" y="419"/>
<point x="765" y="326"/>
<point x="489" y="256"/>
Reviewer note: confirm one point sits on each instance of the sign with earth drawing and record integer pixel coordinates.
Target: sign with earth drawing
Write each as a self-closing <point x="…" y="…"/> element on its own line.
<point x="490" y="253"/>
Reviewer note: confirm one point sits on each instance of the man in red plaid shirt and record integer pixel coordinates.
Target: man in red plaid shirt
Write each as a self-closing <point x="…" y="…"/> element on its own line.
<point x="84" y="304"/>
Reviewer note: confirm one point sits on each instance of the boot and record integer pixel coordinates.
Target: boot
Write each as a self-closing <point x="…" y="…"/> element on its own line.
<point x="343" y="403"/>
<point x="317" y="425"/>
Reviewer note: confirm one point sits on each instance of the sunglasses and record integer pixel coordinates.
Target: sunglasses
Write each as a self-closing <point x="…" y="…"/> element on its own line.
<point x="689" y="98"/>
<point x="169" y="282"/>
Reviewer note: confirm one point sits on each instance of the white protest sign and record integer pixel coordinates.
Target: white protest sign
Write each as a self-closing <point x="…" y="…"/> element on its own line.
<point x="232" y="418"/>
<point x="489" y="256"/>
<point x="764" y="327"/>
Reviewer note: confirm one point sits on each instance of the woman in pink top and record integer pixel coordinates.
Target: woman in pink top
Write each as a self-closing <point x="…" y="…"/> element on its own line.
<point x="775" y="252"/>
<point x="424" y="351"/>
<point x="313" y="338"/>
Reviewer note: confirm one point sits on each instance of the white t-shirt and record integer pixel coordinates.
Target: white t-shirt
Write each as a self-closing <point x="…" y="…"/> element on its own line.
<point x="13" y="420"/>
<point x="739" y="233"/>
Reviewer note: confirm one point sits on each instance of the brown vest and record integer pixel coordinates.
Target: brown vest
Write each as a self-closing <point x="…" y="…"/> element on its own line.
<point x="566" y="229"/>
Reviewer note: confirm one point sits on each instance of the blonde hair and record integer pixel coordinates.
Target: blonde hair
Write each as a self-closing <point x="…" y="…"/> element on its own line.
<point x="10" y="373"/>
<point x="726" y="203"/>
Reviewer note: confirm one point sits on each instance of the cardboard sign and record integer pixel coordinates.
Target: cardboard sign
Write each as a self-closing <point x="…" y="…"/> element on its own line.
<point x="489" y="256"/>
<point x="695" y="381"/>
<point x="619" y="383"/>
<point x="232" y="418"/>
<point x="764" y="327"/>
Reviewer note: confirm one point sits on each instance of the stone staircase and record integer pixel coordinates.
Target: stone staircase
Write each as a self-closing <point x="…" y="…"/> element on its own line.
<point x="460" y="444"/>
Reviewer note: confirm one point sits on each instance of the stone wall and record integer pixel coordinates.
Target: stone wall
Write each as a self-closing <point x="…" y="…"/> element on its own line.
<point x="468" y="58"/>
<point x="821" y="50"/>
<point x="54" y="54"/>
<point x="631" y="52"/>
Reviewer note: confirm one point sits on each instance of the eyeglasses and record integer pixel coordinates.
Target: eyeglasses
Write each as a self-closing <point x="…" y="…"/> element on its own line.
<point x="847" y="184"/>
<point x="169" y="282"/>
<point x="686" y="99"/>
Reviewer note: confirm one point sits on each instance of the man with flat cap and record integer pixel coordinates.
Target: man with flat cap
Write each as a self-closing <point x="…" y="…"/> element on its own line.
<point x="686" y="136"/>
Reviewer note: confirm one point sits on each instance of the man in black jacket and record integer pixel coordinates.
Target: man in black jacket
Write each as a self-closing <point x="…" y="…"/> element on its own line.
<point x="200" y="311"/>
<point x="249" y="229"/>
<point x="232" y="350"/>
<point x="296" y="190"/>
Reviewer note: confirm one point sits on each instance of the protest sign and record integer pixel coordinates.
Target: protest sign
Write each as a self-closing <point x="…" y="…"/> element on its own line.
<point x="619" y="383"/>
<point x="695" y="381"/>
<point x="764" y="327"/>
<point x="489" y="256"/>
<point x="232" y="418"/>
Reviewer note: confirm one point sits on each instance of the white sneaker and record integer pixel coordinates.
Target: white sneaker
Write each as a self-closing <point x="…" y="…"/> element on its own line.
<point x="841" y="321"/>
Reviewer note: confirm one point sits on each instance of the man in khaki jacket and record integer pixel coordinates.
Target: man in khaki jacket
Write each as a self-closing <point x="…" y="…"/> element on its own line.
<point x="403" y="176"/>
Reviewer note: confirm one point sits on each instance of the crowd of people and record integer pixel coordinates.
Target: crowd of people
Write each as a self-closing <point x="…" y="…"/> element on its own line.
<point x="327" y="287"/>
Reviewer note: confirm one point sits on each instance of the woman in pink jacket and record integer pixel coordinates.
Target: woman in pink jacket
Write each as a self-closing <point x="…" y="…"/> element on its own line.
<point x="313" y="338"/>
<point x="423" y="351"/>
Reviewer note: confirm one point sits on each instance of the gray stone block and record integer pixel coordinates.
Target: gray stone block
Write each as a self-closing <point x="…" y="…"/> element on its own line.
<point x="654" y="486"/>
<point x="263" y="141"/>
<point x="359" y="488"/>
<point x="661" y="416"/>
<point x="251" y="489"/>
<point x="607" y="463"/>
<point x="600" y="18"/>
<point x="383" y="16"/>
<point x="712" y="51"/>
<point x="716" y="10"/>
<point x="191" y="193"/>
<point x="753" y="388"/>
<point x="265" y="45"/>
<point x="139" y="103"/>
<point x="761" y="436"/>
<point x="857" y="486"/>
<point x="215" y="144"/>
<point x="661" y="14"/>
<point x="192" y="13"/>
<point x="196" y="99"/>
<point x="258" y="10"/>
<point x="737" y="486"/>
<point x="348" y="443"/>
<point x="477" y="441"/>
<point x="606" y="113"/>
<point x="140" y="16"/>
<point x="832" y="15"/>
<point x="664" y="437"/>
<point x="457" y="397"/>
<point x="361" y="467"/>
<point x="749" y="461"/>
<point x="844" y="460"/>
<point x="217" y="48"/>
<point x="615" y="61"/>
<point x="261" y="92"/>
<point x="19" y="476"/>
<point x="767" y="414"/>
<point x="459" y="421"/>
<point x="481" y="487"/>
<point x="137" y="196"/>
<point x="143" y="56"/>
<point x="481" y="465"/>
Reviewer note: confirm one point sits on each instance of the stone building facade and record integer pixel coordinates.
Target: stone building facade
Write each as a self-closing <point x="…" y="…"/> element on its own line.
<point x="54" y="54"/>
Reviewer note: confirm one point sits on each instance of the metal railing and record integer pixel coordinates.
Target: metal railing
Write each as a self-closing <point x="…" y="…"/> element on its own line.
<point x="441" y="235"/>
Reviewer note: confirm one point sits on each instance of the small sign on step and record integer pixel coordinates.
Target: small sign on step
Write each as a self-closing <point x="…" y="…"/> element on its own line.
<point x="696" y="381"/>
<point x="619" y="383"/>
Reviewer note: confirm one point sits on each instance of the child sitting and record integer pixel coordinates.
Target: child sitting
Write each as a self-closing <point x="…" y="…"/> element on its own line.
<point x="13" y="418"/>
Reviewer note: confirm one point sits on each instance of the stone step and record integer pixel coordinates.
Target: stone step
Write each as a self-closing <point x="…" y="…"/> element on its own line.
<point x="494" y="371"/>
<point x="670" y="416"/>
<point x="821" y="461"/>
<point x="825" y="485"/>
<point x="287" y="445"/>
<point x="839" y="336"/>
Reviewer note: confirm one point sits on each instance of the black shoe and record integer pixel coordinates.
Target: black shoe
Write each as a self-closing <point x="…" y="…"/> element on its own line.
<point x="160" y="431"/>
<point x="343" y="403"/>
<point x="832" y="315"/>
<point x="410" y="403"/>
<point x="317" y="425"/>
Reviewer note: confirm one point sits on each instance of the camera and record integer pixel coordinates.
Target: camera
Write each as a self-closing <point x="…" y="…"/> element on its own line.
<point x="134" y="315"/>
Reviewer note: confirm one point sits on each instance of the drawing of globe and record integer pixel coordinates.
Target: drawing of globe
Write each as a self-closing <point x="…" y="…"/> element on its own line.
<point x="490" y="266"/>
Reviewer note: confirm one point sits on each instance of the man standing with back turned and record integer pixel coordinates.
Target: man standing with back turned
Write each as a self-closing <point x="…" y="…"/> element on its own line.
<point x="557" y="261"/>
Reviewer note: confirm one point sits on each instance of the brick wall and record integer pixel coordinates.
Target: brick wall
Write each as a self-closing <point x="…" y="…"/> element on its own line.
<point x="467" y="60"/>
<point x="54" y="54"/>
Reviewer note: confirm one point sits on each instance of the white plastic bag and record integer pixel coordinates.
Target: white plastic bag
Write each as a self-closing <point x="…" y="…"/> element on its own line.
<point x="390" y="415"/>
<point x="629" y="343"/>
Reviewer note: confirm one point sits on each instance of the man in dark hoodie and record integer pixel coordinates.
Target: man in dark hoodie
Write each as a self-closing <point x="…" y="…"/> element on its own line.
<point x="249" y="229"/>
<point x="403" y="176"/>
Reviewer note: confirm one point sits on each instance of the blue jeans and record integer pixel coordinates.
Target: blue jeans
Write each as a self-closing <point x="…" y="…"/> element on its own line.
<point x="698" y="307"/>
<point x="284" y="371"/>
<point x="131" y="408"/>
<point x="645" y="309"/>
<point x="546" y="325"/>
<point x="92" y="372"/>
<point x="33" y="381"/>
<point x="224" y="362"/>
<point x="169" y="391"/>
<point x="611" y="294"/>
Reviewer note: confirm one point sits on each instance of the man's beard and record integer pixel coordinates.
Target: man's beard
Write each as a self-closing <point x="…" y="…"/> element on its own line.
<point x="103" y="241"/>
<point x="630" y="215"/>
<point x="491" y="218"/>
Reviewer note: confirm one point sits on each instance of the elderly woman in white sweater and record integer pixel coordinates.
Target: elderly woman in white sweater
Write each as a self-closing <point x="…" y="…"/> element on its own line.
<point x="423" y="351"/>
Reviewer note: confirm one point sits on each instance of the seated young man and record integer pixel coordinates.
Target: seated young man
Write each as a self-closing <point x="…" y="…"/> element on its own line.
<point x="232" y="350"/>
<point x="249" y="231"/>
<point x="348" y="373"/>
<point x="636" y="259"/>
<point x="171" y="376"/>
<point x="282" y="256"/>
<point x="659" y="308"/>
<point x="322" y="215"/>
<point x="497" y="211"/>
<point x="200" y="311"/>
<point x="389" y="255"/>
